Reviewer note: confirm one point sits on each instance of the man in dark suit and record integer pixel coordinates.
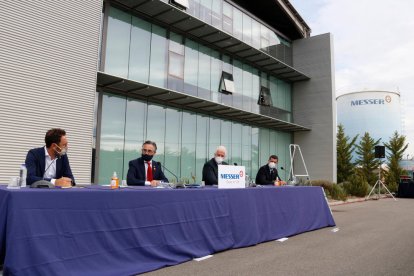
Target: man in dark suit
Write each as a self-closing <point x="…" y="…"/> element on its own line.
<point x="144" y="171"/>
<point x="210" y="168"/>
<point x="268" y="174"/>
<point x="50" y="162"/>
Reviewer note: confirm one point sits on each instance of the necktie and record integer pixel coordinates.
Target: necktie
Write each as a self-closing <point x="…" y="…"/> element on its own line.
<point x="149" y="171"/>
<point x="272" y="175"/>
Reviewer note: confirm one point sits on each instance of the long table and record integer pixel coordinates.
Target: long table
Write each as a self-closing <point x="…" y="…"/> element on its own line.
<point x="99" y="231"/>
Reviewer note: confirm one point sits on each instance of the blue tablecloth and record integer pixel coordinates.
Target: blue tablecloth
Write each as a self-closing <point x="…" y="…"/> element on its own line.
<point x="99" y="231"/>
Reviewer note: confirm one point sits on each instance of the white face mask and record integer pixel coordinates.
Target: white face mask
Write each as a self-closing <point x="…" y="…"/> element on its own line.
<point x="62" y="152"/>
<point x="272" y="165"/>
<point x="219" y="159"/>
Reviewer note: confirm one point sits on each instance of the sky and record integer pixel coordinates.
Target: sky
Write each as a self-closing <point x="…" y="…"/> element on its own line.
<point x="373" y="47"/>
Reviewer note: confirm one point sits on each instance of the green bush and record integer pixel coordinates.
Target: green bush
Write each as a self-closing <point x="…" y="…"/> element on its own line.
<point x="356" y="185"/>
<point x="332" y="190"/>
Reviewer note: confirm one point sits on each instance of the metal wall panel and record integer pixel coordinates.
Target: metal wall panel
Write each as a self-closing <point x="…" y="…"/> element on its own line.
<point x="314" y="105"/>
<point x="48" y="64"/>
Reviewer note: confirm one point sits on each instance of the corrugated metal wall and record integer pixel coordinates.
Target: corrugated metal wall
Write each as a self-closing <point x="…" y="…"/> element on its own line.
<point x="48" y="63"/>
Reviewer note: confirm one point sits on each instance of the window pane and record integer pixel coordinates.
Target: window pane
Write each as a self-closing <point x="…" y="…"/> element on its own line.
<point x="247" y="29"/>
<point x="134" y="131"/>
<point x="227" y="17"/>
<point x="225" y="138"/>
<point x="273" y="87"/>
<point x="255" y="90"/>
<point x="247" y="87"/>
<point x="238" y="84"/>
<point x="247" y="149"/>
<point x="176" y="65"/>
<point x="202" y="155"/>
<point x="216" y="13"/>
<point x="158" y="56"/>
<point x="264" y="145"/>
<point x="255" y="151"/>
<point x="204" y="69"/>
<point x="237" y="24"/>
<point x="256" y="34"/>
<point x="156" y="128"/>
<point x="111" y="154"/>
<point x="191" y="63"/>
<point x="194" y="8"/>
<point x="236" y="144"/>
<point x="215" y="76"/>
<point x="117" y="43"/>
<point x="172" y="142"/>
<point x="188" y="147"/>
<point x="228" y="68"/>
<point x="140" y="50"/>
<point x="214" y="135"/>
<point x="205" y="10"/>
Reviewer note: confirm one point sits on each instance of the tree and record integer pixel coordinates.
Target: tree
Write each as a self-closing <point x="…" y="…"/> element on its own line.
<point x="344" y="150"/>
<point x="395" y="150"/>
<point x="366" y="159"/>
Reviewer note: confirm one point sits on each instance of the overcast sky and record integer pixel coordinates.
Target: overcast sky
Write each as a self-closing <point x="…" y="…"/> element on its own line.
<point x="373" y="46"/>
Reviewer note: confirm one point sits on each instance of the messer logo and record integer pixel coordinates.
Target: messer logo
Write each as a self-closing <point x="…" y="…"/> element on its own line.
<point x="388" y="98"/>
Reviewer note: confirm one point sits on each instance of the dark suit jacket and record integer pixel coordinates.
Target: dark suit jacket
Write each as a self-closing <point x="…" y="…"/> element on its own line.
<point x="263" y="176"/>
<point x="210" y="172"/>
<point x="35" y="164"/>
<point x="136" y="172"/>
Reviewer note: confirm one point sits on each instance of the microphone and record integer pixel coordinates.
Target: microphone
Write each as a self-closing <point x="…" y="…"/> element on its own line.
<point x="235" y="164"/>
<point x="165" y="168"/>
<point x="282" y="168"/>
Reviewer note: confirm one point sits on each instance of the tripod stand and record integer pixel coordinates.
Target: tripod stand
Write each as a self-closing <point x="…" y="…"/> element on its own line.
<point x="380" y="184"/>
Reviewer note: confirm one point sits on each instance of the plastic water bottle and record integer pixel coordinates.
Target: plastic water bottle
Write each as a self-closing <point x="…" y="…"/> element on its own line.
<point x="247" y="181"/>
<point x="23" y="175"/>
<point x="114" y="181"/>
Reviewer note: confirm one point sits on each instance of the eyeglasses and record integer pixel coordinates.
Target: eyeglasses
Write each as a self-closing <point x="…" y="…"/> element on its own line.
<point x="147" y="151"/>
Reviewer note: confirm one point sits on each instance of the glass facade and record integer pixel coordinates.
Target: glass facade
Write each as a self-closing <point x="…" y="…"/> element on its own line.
<point x="224" y="16"/>
<point x="185" y="140"/>
<point x="165" y="59"/>
<point x="144" y="52"/>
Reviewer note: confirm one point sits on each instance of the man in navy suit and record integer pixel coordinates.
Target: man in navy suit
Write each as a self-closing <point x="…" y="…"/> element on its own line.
<point x="144" y="171"/>
<point x="268" y="174"/>
<point x="50" y="162"/>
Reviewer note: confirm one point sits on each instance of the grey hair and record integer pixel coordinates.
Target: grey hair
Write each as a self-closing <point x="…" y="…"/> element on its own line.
<point x="148" y="142"/>
<point x="221" y="148"/>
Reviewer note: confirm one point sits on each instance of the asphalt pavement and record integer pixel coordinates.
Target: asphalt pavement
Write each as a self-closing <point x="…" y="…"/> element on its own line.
<point x="374" y="237"/>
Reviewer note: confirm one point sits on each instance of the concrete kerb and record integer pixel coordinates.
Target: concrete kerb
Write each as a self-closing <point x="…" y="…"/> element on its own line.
<point x="354" y="200"/>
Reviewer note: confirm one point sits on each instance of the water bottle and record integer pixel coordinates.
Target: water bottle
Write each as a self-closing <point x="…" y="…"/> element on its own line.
<point x="114" y="181"/>
<point x="23" y="175"/>
<point x="247" y="181"/>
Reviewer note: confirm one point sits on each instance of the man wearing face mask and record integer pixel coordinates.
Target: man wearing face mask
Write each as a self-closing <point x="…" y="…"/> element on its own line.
<point x="267" y="174"/>
<point x="210" y="169"/>
<point x="50" y="162"/>
<point x="144" y="171"/>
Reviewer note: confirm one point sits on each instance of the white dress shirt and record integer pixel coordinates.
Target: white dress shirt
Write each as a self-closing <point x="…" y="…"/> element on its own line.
<point x="50" y="165"/>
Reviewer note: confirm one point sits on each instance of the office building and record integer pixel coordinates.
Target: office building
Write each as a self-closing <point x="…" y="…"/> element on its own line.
<point x="189" y="75"/>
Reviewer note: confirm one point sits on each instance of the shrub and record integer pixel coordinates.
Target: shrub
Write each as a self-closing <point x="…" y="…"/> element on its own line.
<point x="332" y="190"/>
<point x="356" y="186"/>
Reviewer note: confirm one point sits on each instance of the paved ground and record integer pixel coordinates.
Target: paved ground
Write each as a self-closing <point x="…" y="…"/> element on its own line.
<point x="375" y="237"/>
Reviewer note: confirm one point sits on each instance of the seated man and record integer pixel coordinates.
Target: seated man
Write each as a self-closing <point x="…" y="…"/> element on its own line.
<point x="145" y="171"/>
<point x="50" y="162"/>
<point x="210" y="168"/>
<point x="268" y="174"/>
